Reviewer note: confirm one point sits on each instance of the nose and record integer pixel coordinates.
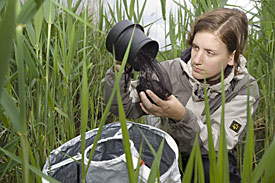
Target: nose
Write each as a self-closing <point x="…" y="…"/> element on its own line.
<point x="197" y="57"/>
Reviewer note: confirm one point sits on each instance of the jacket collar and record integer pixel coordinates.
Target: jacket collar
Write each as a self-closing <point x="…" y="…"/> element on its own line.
<point x="213" y="88"/>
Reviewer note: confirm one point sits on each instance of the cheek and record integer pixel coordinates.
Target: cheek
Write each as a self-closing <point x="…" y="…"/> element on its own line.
<point x="213" y="65"/>
<point x="193" y="55"/>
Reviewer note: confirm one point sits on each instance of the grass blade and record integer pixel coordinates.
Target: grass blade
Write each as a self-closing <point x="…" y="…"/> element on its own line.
<point x="141" y="12"/>
<point x="187" y="176"/>
<point x="2" y="4"/>
<point x="38" y="21"/>
<point x="22" y="102"/>
<point x="249" y="145"/>
<point x="122" y="118"/>
<point x="108" y="106"/>
<point x="136" y="175"/>
<point x="76" y="16"/>
<point x="28" y="10"/>
<point x="7" y="27"/>
<point x="126" y="8"/>
<point x="265" y="168"/>
<point x="163" y="9"/>
<point x="132" y="9"/>
<point x="9" y="106"/>
<point x="222" y="152"/>
<point x="154" y="173"/>
<point x="84" y="101"/>
<point x="49" y="11"/>
<point x="32" y="168"/>
<point x="213" y="170"/>
<point x="199" y="164"/>
<point x="126" y="138"/>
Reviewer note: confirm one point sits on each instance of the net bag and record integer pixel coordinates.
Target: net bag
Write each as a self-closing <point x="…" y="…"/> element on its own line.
<point x="109" y="162"/>
<point x="153" y="76"/>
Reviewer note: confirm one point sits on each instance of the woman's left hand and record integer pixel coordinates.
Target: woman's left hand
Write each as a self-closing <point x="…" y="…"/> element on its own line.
<point x="171" y="108"/>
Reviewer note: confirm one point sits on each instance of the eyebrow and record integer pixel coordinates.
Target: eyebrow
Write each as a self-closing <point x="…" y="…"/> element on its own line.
<point x="193" y="44"/>
<point x="207" y="49"/>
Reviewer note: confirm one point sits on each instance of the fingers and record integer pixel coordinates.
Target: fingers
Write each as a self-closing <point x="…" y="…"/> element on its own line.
<point x="143" y="108"/>
<point x="149" y="107"/>
<point x="155" y="98"/>
<point x="171" y="108"/>
<point x="118" y="67"/>
<point x="145" y="101"/>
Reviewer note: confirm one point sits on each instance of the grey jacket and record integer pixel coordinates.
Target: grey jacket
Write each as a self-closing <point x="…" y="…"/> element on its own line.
<point x="189" y="92"/>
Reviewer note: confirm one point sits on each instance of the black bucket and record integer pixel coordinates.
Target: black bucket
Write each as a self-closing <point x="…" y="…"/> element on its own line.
<point x="118" y="39"/>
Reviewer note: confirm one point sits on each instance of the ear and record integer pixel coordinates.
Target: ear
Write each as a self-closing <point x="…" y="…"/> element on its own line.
<point x="231" y="58"/>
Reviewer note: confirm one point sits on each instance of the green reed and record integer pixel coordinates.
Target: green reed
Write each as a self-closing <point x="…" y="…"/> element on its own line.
<point x="52" y="65"/>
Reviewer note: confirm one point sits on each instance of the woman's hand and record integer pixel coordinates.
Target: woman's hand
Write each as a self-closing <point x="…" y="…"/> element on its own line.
<point x="118" y="66"/>
<point x="171" y="108"/>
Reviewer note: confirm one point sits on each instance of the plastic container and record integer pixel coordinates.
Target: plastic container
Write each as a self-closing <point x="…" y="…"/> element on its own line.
<point x="108" y="164"/>
<point x="118" y="39"/>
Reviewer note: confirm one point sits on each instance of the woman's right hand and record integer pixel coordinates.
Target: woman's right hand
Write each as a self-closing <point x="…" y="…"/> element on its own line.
<point x="171" y="108"/>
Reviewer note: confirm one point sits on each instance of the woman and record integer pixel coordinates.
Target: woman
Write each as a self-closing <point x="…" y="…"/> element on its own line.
<point x="217" y="40"/>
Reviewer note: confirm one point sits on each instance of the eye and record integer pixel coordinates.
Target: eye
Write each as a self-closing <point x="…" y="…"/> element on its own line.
<point x="210" y="53"/>
<point x="195" y="47"/>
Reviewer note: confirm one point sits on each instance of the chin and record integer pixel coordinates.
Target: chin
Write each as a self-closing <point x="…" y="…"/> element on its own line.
<point x="198" y="76"/>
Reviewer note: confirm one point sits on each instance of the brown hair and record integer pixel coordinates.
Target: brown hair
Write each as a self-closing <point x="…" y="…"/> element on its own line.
<point x="230" y="25"/>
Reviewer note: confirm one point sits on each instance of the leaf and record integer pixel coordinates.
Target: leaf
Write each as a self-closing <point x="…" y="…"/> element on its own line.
<point x="125" y="135"/>
<point x="4" y="167"/>
<point x="222" y="152"/>
<point x="32" y="168"/>
<point x="141" y="12"/>
<point x="62" y="113"/>
<point x="132" y="9"/>
<point x="136" y="175"/>
<point x="100" y="24"/>
<point x="7" y="28"/>
<point x="108" y="106"/>
<point x="266" y="165"/>
<point x="10" y="108"/>
<point x="10" y="146"/>
<point x="122" y="118"/>
<point x="154" y="173"/>
<point x="213" y="170"/>
<point x="51" y="102"/>
<point x="30" y="63"/>
<point x="126" y="8"/>
<point x="84" y="102"/>
<point x="37" y="22"/>
<point x="163" y="9"/>
<point x="49" y="11"/>
<point x="199" y="164"/>
<point x="28" y="10"/>
<point x="31" y="32"/>
<point x="75" y="16"/>
<point x="187" y="176"/>
<point x="2" y="4"/>
<point x="249" y="145"/>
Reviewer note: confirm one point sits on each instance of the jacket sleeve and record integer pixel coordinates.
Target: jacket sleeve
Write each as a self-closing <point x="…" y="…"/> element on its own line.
<point x="130" y="98"/>
<point x="183" y="131"/>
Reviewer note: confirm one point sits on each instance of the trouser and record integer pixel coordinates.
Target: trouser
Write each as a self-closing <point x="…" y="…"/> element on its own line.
<point x="234" y="176"/>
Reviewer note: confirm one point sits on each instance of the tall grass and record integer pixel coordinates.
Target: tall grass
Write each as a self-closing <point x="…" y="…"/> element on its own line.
<point x="51" y="69"/>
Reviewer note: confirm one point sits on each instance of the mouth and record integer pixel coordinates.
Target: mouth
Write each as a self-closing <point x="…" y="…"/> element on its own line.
<point x="196" y="69"/>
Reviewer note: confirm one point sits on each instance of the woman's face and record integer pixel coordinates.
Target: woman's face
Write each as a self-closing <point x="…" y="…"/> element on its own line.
<point x="208" y="55"/>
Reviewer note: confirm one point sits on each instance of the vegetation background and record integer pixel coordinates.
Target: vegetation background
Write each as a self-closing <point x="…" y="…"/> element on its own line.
<point x="53" y="60"/>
